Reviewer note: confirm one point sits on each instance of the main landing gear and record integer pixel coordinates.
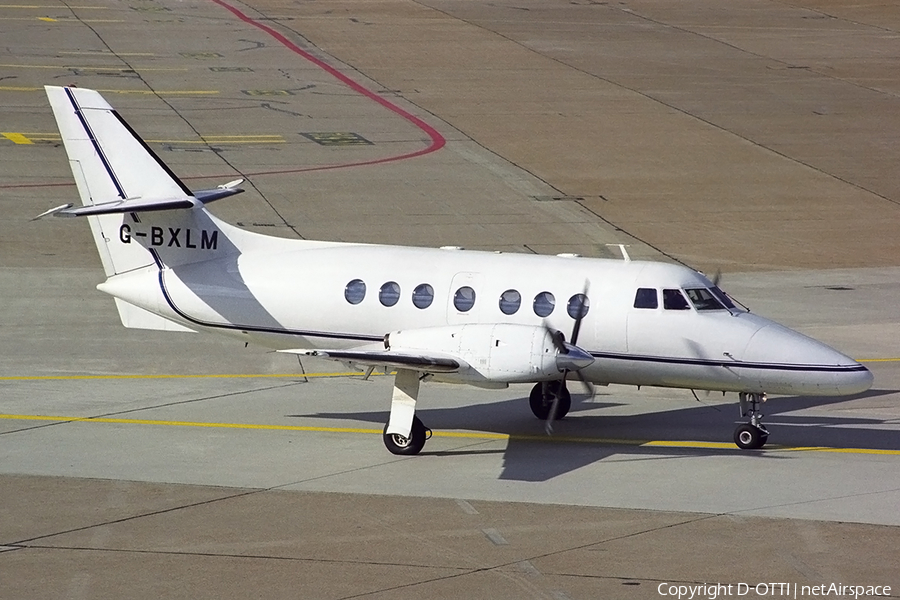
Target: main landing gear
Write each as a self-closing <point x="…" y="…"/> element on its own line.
<point x="752" y="435"/>
<point x="404" y="433"/>
<point x="407" y="446"/>
<point x="550" y="400"/>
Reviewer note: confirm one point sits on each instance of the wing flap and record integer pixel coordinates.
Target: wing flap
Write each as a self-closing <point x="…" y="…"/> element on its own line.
<point x="388" y="358"/>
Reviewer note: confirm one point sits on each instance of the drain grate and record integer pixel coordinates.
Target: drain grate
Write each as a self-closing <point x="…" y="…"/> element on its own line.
<point x="337" y="138"/>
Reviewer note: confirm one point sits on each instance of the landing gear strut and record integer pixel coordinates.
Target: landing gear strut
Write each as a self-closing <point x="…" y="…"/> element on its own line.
<point x="404" y="433"/>
<point x="752" y="435"/>
<point x="543" y="397"/>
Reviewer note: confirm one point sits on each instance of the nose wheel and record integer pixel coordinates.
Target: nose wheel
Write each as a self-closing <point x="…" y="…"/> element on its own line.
<point x="752" y="435"/>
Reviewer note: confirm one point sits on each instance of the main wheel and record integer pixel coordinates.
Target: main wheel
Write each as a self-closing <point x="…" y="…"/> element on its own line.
<point x="397" y="444"/>
<point x="749" y="437"/>
<point x="542" y="406"/>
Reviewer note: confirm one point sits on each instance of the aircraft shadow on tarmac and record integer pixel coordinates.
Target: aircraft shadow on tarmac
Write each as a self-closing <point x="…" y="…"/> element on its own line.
<point x="528" y="457"/>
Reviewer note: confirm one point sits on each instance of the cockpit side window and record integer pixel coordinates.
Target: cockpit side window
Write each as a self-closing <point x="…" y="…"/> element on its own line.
<point x="674" y="300"/>
<point x="703" y="299"/>
<point x="646" y="298"/>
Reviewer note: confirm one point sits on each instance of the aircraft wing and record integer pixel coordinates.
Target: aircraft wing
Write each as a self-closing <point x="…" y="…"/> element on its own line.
<point x="415" y="361"/>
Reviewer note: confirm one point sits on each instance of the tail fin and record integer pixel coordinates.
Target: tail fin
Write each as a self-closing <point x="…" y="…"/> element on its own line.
<point x="140" y="212"/>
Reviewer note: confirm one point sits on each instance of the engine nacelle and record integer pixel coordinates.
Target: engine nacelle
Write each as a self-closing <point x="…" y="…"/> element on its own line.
<point x="494" y="352"/>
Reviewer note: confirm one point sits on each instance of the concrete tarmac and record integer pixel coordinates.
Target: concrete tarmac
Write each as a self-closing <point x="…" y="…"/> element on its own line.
<point x="752" y="138"/>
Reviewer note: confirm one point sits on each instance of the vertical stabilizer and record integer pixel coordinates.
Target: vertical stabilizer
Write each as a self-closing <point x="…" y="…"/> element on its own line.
<point x="140" y="213"/>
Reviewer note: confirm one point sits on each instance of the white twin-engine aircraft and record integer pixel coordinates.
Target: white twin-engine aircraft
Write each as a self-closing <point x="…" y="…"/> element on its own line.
<point x="482" y="318"/>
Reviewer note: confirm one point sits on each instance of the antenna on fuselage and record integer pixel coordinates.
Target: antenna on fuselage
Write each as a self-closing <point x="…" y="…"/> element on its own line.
<point x="624" y="252"/>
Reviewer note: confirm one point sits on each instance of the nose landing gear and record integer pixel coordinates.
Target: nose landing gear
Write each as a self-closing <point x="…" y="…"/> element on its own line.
<point x="752" y="435"/>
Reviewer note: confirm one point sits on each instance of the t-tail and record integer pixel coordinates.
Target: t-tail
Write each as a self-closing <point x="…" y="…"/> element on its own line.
<point x="140" y="213"/>
<point x="143" y="218"/>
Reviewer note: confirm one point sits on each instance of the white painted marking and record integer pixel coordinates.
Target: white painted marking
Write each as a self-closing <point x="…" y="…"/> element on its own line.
<point x="528" y="568"/>
<point x="494" y="536"/>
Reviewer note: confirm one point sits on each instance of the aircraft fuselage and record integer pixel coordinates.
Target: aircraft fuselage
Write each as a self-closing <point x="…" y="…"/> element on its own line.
<point x="316" y="295"/>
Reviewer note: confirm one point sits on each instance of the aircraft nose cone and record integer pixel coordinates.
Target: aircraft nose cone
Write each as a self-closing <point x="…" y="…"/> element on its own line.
<point x="804" y="365"/>
<point x="776" y="344"/>
<point x="574" y="359"/>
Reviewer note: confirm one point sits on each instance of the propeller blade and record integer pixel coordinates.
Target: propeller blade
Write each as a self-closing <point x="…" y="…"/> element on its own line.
<point x="548" y="424"/>
<point x="588" y="386"/>
<point x="577" y="328"/>
<point x="558" y="338"/>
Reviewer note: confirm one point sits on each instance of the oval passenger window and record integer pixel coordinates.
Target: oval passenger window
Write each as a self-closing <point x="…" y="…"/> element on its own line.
<point x="464" y="299"/>
<point x="510" y="300"/>
<point x="355" y="291"/>
<point x="423" y="295"/>
<point x="389" y="293"/>
<point x="544" y="303"/>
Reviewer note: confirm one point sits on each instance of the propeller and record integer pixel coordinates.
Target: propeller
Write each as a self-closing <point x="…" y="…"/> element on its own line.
<point x="569" y="358"/>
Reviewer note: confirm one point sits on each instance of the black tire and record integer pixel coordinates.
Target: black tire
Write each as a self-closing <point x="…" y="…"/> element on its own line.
<point x="397" y="444"/>
<point x="542" y="406"/>
<point x="749" y="437"/>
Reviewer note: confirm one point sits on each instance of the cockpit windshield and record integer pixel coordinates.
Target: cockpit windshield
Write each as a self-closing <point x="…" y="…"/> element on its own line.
<point x="705" y="299"/>
<point x="722" y="297"/>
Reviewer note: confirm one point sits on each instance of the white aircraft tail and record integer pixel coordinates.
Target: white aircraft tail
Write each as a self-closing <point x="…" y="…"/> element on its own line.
<point x="140" y="213"/>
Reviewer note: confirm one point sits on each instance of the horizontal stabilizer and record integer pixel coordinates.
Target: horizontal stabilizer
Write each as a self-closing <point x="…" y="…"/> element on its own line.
<point x="135" y="205"/>
<point x="387" y="358"/>
<point x="223" y="191"/>
<point x="129" y="205"/>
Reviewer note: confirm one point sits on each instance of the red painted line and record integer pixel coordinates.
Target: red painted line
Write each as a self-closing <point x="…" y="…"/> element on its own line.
<point x="437" y="141"/>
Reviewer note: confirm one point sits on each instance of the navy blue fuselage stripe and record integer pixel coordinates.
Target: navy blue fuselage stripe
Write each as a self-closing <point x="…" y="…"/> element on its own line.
<point x="730" y="364"/>
<point x="96" y="144"/>
<point x="156" y="259"/>
<point x="257" y="329"/>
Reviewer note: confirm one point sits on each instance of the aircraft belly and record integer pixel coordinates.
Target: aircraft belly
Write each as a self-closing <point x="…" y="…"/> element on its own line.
<point x="664" y="372"/>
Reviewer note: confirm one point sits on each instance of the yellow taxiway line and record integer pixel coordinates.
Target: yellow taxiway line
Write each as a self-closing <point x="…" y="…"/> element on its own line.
<point x="187" y="376"/>
<point x="62" y="20"/>
<point x="105" y="53"/>
<point x="93" y="68"/>
<point x="480" y="435"/>
<point x="31" y="138"/>
<point x="55" y="6"/>
<point x="17" y="138"/>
